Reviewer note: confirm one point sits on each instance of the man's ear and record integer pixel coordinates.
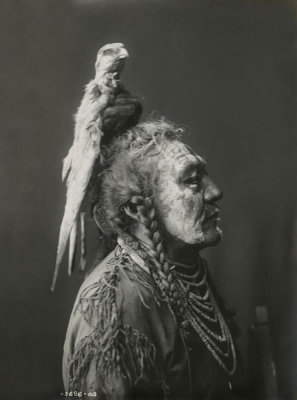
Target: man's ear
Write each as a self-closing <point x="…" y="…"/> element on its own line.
<point x="131" y="210"/>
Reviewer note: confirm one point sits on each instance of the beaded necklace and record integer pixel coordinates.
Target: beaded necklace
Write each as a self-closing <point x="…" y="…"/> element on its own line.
<point x="201" y="309"/>
<point x="204" y="316"/>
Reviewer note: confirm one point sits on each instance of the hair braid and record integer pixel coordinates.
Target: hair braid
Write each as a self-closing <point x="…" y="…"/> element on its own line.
<point x="163" y="274"/>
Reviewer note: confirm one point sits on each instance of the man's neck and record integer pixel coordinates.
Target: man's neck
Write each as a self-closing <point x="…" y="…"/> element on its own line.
<point x="179" y="252"/>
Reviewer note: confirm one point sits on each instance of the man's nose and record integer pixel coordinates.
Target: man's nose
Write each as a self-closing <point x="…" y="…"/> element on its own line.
<point x="211" y="191"/>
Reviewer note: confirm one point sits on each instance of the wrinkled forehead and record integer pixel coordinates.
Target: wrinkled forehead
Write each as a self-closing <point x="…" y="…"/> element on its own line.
<point x="177" y="155"/>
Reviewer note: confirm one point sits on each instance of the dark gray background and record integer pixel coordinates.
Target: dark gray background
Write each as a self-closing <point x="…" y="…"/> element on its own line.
<point x="224" y="68"/>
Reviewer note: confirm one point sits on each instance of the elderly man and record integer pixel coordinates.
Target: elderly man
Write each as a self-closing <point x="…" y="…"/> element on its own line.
<point x="147" y="323"/>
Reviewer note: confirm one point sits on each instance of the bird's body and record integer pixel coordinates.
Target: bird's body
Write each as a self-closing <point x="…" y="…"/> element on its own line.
<point x="79" y="163"/>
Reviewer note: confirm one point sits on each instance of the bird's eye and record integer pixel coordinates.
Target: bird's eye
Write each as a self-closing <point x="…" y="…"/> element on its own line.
<point x="108" y="52"/>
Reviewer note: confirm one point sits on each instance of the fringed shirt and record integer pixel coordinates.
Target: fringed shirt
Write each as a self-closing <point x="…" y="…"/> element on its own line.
<point x="123" y="341"/>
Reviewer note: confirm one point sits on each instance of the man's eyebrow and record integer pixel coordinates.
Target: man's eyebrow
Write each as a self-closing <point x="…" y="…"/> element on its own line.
<point x="202" y="161"/>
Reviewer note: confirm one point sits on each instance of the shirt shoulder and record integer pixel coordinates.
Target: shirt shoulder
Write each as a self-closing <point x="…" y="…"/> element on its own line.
<point x="108" y="319"/>
<point x="117" y="283"/>
<point x="120" y="281"/>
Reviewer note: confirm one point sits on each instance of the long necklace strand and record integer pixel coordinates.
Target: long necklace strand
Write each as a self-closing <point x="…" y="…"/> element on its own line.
<point x="205" y="317"/>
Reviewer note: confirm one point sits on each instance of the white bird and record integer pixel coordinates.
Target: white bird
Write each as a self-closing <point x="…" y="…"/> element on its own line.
<point x="79" y="163"/>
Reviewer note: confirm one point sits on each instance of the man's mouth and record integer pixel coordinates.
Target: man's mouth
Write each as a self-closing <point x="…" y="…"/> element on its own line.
<point x="211" y="214"/>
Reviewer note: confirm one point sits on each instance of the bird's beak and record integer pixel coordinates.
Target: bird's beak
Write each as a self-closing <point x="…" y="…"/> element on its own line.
<point x="123" y="53"/>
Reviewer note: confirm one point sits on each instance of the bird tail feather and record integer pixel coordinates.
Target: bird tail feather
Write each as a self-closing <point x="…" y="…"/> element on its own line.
<point x="72" y="248"/>
<point x="82" y="263"/>
<point x="66" y="165"/>
<point x="65" y="230"/>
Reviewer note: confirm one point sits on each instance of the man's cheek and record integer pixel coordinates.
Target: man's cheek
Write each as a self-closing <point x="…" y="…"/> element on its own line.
<point x="172" y="202"/>
<point x="193" y="207"/>
<point x="178" y="218"/>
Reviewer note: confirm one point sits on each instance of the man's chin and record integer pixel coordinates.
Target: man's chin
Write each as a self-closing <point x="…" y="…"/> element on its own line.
<point x="212" y="237"/>
<point x="204" y="238"/>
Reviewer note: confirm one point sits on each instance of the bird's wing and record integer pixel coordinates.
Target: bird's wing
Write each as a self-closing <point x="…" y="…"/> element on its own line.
<point x="85" y="150"/>
<point x="77" y="183"/>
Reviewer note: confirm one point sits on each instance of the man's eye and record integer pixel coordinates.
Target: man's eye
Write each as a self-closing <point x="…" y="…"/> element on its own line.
<point x="193" y="181"/>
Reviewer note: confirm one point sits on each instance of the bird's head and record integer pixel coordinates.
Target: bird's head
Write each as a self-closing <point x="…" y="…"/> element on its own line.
<point x="111" y="59"/>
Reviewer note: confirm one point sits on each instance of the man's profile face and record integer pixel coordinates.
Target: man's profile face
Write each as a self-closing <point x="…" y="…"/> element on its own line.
<point x="185" y="196"/>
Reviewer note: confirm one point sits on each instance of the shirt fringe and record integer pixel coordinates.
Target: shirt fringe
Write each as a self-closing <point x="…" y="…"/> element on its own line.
<point x="116" y="349"/>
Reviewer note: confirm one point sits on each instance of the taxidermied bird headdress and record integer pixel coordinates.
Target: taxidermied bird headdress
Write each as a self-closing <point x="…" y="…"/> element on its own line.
<point x="85" y="151"/>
